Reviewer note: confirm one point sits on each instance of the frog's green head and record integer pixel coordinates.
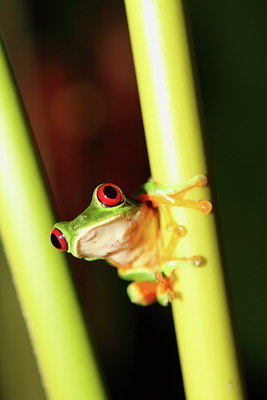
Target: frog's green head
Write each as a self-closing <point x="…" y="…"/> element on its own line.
<point x="91" y="232"/>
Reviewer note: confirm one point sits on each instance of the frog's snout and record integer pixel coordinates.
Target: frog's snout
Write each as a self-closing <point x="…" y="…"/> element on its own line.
<point x="58" y="240"/>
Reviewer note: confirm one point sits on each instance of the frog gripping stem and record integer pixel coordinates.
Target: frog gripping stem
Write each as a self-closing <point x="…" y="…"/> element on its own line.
<point x="164" y="197"/>
<point x="173" y="195"/>
<point x="128" y="234"/>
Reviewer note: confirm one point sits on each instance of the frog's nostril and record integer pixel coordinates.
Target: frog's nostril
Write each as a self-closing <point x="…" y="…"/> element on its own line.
<point x="58" y="240"/>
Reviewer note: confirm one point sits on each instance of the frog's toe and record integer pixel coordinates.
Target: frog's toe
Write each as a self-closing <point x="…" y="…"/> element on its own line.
<point x="165" y="293"/>
<point x="165" y="298"/>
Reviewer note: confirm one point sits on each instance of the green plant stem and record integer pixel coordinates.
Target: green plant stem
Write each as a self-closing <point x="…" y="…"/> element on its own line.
<point x="173" y="134"/>
<point x="64" y="355"/>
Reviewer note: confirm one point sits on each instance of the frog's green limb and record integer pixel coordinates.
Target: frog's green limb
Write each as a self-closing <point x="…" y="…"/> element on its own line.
<point x="172" y="195"/>
<point x="149" y="275"/>
<point x="169" y="266"/>
<point x="139" y="275"/>
<point x="149" y="286"/>
<point x="151" y="187"/>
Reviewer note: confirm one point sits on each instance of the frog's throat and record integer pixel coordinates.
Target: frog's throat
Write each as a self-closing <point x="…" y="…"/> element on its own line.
<point x="122" y="240"/>
<point x="106" y="236"/>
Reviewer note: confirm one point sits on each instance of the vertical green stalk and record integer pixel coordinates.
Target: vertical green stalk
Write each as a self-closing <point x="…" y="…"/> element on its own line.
<point x="46" y="295"/>
<point x="174" y="140"/>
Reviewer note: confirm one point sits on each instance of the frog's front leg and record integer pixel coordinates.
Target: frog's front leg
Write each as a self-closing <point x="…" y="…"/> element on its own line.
<point x="165" y="197"/>
<point x="172" y="195"/>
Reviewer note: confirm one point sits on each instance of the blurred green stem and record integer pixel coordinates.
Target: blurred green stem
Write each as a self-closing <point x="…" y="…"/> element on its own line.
<point x="43" y="285"/>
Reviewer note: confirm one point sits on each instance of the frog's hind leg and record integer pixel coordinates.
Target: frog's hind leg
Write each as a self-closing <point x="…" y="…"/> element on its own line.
<point x="146" y="293"/>
<point x="142" y="293"/>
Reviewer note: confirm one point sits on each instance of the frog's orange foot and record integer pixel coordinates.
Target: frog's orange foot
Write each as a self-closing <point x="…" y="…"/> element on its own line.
<point x="165" y="294"/>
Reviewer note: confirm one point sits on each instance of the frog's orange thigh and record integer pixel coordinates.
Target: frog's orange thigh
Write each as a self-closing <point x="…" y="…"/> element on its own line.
<point x="142" y="293"/>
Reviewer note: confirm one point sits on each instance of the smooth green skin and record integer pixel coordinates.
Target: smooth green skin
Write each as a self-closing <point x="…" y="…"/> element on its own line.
<point x="151" y="187"/>
<point x="96" y="213"/>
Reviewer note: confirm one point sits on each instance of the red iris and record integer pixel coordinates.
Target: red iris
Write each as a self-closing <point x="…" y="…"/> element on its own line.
<point x="58" y="240"/>
<point x="109" y="195"/>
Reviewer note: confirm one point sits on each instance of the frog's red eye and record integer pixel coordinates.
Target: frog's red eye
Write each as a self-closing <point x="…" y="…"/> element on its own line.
<point x="109" y="195"/>
<point x="58" y="240"/>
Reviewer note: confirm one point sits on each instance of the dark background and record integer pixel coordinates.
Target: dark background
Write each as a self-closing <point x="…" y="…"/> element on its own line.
<point x="73" y="64"/>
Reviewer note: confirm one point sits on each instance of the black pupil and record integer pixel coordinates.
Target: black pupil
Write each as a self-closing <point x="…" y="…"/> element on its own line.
<point x="110" y="192"/>
<point x="55" y="241"/>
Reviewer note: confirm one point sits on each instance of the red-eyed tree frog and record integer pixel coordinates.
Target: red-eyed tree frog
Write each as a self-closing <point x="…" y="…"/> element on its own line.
<point x="127" y="233"/>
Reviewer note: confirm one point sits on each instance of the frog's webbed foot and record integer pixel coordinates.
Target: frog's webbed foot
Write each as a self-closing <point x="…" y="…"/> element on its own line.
<point x="177" y="231"/>
<point x="164" y="291"/>
<point x="165" y="294"/>
<point x="167" y="196"/>
<point x="173" y="195"/>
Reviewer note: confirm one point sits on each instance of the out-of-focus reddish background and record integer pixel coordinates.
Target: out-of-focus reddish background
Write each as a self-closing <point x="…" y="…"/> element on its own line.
<point x="74" y="69"/>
